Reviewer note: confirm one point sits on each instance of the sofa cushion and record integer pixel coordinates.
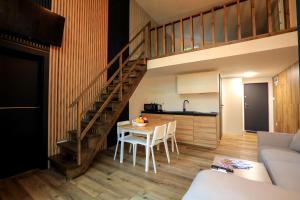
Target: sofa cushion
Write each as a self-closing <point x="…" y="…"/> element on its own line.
<point x="285" y="174"/>
<point x="279" y="154"/>
<point x="212" y="185"/>
<point x="295" y="144"/>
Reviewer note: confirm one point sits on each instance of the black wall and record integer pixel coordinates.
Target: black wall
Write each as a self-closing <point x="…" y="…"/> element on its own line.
<point x="44" y="3"/>
<point x="118" y="37"/>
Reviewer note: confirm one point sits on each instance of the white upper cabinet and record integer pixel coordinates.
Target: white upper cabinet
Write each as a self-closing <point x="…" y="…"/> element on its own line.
<point x="204" y="82"/>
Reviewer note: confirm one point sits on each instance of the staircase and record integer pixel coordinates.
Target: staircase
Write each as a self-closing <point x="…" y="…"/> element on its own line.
<point x="96" y="118"/>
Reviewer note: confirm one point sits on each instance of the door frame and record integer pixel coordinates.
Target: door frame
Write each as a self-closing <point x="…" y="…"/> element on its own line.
<point x="269" y="81"/>
<point x="44" y="54"/>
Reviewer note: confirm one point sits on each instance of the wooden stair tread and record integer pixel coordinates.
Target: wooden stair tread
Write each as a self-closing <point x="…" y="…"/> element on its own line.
<point x="105" y="111"/>
<point x="67" y="164"/>
<point x="86" y="122"/>
<point x="74" y="133"/>
<point x="72" y="146"/>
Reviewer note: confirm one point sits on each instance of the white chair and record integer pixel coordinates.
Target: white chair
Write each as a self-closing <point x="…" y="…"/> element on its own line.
<point x="159" y="136"/>
<point x="171" y="134"/>
<point x="127" y="138"/>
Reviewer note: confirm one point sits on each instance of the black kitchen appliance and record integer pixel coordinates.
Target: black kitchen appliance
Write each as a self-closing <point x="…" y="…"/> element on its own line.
<point x="153" y="107"/>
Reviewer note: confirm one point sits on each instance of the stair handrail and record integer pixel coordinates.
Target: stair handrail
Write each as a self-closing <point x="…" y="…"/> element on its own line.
<point x="78" y="101"/>
<point x="109" y="65"/>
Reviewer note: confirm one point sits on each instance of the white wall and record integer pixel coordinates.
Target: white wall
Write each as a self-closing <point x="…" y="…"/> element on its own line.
<point x="232" y="99"/>
<point x="163" y="90"/>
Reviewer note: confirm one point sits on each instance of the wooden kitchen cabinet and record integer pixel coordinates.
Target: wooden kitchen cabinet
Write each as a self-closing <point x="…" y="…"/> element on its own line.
<point x="184" y="129"/>
<point x="167" y="117"/>
<point x="205" y="131"/>
<point x="196" y="130"/>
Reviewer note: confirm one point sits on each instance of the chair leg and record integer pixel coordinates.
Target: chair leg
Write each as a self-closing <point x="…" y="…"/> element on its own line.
<point x="172" y="141"/>
<point x="134" y="154"/>
<point x="153" y="159"/>
<point x="176" y="144"/>
<point x="130" y="146"/>
<point x="157" y="147"/>
<point x="116" y="150"/>
<point x="167" y="150"/>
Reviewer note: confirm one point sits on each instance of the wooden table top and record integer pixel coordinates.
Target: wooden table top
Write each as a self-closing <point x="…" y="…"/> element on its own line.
<point x="149" y="128"/>
<point x="257" y="173"/>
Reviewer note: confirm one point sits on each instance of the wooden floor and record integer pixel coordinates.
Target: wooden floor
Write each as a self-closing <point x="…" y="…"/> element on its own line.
<point x="108" y="179"/>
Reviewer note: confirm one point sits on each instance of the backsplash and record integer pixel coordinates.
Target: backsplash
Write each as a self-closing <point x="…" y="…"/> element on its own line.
<point x="162" y="90"/>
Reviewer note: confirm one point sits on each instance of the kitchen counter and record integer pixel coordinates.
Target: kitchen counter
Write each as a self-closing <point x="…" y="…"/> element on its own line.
<point x="191" y="113"/>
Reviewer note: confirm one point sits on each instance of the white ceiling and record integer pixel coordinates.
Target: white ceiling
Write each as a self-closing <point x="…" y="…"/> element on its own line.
<point x="163" y="11"/>
<point x="265" y="64"/>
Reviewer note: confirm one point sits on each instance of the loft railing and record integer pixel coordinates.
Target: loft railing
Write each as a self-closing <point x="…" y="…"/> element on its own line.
<point x="82" y="105"/>
<point x="234" y="21"/>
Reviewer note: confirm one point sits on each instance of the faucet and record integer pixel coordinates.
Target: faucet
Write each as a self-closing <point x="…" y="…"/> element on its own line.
<point x="185" y="101"/>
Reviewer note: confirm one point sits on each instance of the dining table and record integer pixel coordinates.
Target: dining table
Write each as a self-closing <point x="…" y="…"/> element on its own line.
<point x="145" y="131"/>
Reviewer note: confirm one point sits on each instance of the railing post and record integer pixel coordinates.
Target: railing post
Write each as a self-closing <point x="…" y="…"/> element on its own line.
<point x="225" y="23"/>
<point x="192" y="32"/>
<point x="181" y="35"/>
<point x="253" y="18"/>
<point x="202" y="30"/>
<point x="164" y="40"/>
<point x="149" y="42"/>
<point x="121" y="78"/>
<point x="79" y="107"/>
<point x="173" y="38"/>
<point x="269" y="10"/>
<point x="213" y="28"/>
<point x="156" y="43"/>
<point x="239" y="33"/>
<point x="287" y="14"/>
<point x="145" y="46"/>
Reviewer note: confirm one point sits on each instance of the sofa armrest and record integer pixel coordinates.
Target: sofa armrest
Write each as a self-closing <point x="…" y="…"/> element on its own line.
<point x="274" y="139"/>
<point x="214" y="185"/>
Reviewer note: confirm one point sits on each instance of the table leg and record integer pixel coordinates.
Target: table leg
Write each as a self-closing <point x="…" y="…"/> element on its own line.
<point x="147" y="153"/>
<point x="122" y="148"/>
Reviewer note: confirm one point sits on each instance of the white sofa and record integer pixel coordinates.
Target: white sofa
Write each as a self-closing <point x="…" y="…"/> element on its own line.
<point x="282" y="163"/>
<point x="213" y="185"/>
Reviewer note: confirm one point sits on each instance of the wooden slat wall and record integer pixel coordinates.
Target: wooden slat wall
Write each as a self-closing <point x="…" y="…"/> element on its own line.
<point x="287" y="101"/>
<point x="72" y="67"/>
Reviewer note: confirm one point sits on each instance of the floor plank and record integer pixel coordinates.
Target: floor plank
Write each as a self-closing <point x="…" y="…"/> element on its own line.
<point x="108" y="179"/>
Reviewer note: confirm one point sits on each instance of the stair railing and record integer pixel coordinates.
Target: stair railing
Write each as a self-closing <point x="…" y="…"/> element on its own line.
<point x="81" y="109"/>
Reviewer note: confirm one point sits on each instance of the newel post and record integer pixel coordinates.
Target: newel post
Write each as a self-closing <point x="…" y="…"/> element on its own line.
<point x="79" y="108"/>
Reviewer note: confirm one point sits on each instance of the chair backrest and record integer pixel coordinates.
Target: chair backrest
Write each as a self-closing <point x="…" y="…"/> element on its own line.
<point x="171" y="128"/>
<point x="159" y="133"/>
<point x="120" y="124"/>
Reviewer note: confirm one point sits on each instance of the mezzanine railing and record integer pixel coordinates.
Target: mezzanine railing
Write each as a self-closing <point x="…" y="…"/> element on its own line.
<point x="234" y="21"/>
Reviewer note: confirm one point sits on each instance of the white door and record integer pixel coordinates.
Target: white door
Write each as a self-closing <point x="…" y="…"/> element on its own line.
<point x="232" y="100"/>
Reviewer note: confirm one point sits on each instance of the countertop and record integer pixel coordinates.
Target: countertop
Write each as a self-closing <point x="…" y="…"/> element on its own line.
<point x="192" y="113"/>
